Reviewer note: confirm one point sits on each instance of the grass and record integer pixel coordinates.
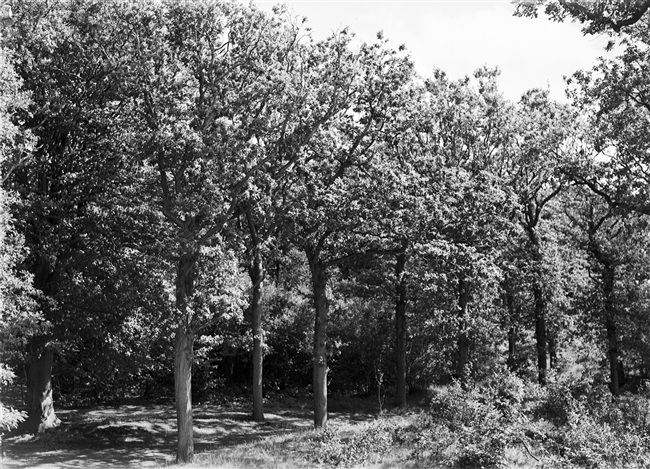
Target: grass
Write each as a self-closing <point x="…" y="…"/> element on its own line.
<point x="505" y="423"/>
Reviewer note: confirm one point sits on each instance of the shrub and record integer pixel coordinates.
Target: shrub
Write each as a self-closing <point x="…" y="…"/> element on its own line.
<point x="334" y="451"/>
<point x="9" y="418"/>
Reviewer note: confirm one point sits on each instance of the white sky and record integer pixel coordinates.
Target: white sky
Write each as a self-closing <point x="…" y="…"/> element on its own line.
<point x="461" y="36"/>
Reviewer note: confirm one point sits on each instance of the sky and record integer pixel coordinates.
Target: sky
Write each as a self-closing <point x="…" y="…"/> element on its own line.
<point x="461" y="36"/>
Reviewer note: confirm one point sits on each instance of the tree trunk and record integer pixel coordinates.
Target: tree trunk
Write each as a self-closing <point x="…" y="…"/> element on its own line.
<point x="540" y="333"/>
<point x="611" y="328"/>
<point x="463" y="337"/>
<point x="41" y="415"/>
<point x="321" y="306"/>
<point x="612" y="354"/>
<point x="512" y="348"/>
<point x="539" y="305"/>
<point x="256" y="272"/>
<point x="40" y="403"/>
<point x="532" y="214"/>
<point x="552" y="350"/>
<point x="400" y="328"/>
<point x="184" y="357"/>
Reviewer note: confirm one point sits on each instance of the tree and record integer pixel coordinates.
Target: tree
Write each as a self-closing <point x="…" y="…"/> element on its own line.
<point x="542" y="140"/>
<point x="328" y="197"/>
<point x="307" y="99"/>
<point x="615" y="241"/>
<point x="468" y="123"/>
<point x="19" y="316"/>
<point x="79" y="188"/>
<point x="614" y="97"/>
<point x="225" y="114"/>
<point x="597" y="16"/>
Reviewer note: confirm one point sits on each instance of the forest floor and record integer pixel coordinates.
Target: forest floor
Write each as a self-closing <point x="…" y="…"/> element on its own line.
<point x="145" y="435"/>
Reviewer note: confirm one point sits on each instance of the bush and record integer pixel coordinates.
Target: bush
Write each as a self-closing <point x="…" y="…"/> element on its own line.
<point x="334" y="451"/>
<point x="9" y="418"/>
<point x="475" y="423"/>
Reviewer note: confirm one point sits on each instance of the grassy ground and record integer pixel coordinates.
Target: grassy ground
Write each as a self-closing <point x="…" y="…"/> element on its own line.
<point x="144" y="436"/>
<point x="504" y="423"/>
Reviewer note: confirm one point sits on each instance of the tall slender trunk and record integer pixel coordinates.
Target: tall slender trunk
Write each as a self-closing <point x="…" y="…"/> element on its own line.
<point x="400" y="328"/>
<point x="512" y="348"/>
<point x="463" y="336"/>
<point x="611" y="328"/>
<point x="552" y="349"/>
<point x="40" y="414"/>
<point x="512" y="332"/>
<point x="184" y="357"/>
<point x="321" y="306"/>
<point x="540" y="333"/>
<point x="539" y="305"/>
<point x="256" y="273"/>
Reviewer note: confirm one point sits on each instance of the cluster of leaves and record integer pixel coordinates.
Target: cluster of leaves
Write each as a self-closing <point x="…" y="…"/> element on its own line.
<point x="9" y="417"/>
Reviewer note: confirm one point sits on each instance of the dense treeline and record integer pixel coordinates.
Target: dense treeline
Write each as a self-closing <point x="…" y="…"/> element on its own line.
<point x="199" y="195"/>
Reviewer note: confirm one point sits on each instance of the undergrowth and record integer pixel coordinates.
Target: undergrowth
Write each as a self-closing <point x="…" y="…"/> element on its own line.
<point x="485" y="425"/>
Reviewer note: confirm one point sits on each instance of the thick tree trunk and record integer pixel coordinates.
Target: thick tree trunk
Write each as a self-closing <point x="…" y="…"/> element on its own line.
<point x="184" y="357"/>
<point x="256" y="272"/>
<point x="400" y="329"/>
<point x="41" y="415"/>
<point x="463" y="336"/>
<point x="40" y="403"/>
<point x="321" y="306"/>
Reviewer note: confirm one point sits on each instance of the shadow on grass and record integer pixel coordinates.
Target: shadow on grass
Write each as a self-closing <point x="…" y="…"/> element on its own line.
<point x="145" y="436"/>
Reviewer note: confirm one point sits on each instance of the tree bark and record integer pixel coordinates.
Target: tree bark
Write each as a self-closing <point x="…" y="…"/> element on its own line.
<point x="41" y="415"/>
<point x="400" y="328"/>
<point x="512" y="348"/>
<point x="40" y="403"/>
<point x="256" y="273"/>
<point x="184" y="357"/>
<point x="552" y="350"/>
<point x="321" y="306"/>
<point x="611" y="328"/>
<point x="539" y="304"/>
<point x="463" y="336"/>
<point x="540" y="333"/>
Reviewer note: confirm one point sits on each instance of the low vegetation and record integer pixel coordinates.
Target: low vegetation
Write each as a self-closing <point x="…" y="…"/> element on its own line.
<point x="493" y="424"/>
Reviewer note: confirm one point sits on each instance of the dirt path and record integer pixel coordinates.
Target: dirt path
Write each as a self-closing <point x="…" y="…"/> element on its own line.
<point x="145" y="436"/>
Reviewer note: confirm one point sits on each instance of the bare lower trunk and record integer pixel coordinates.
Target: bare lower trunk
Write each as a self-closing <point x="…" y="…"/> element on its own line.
<point x="611" y="328"/>
<point x="41" y="415"/>
<point x="612" y="355"/>
<point x="40" y="403"/>
<point x="552" y="350"/>
<point x="184" y="357"/>
<point x="512" y="348"/>
<point x="540" y="335"/>
<point x="463" y="336"/>
<point x="538" y="295"/>
<point x="321" y="306"/>
<point x="257" y="278"/>
<point x="400" y="329"/>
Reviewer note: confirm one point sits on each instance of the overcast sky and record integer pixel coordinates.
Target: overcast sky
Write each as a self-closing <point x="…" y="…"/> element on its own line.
<point x="460" y="36"/>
